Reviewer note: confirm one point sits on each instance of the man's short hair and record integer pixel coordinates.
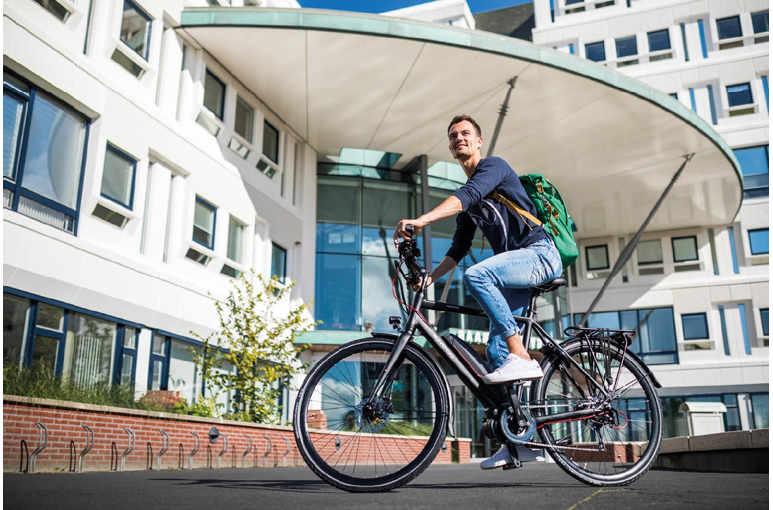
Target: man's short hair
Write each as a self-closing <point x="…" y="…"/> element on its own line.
<point x="460" y="118"/>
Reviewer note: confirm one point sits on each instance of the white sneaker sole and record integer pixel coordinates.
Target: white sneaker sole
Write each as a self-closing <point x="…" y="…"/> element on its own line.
<point x="527" y="376"/>
<point x="497" y="465"/>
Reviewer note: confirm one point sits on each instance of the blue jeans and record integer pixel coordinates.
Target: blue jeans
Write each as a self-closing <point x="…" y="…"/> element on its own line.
<point x="499" y="285"/>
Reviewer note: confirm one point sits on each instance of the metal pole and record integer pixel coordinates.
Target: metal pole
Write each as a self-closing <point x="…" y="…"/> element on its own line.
<point x="248" y="450"/>
<point x="163" y="450"/>
<point x="630" y="247"/>
<point x="129" y="447"/>
<point x="502" y="114"/>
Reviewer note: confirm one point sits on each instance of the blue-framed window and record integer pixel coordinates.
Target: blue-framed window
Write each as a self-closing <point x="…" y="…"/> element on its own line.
<point x="659" y="40"/>
<point x="684" y="42"/>
<point x="764" y="312"/>
<point x="695" y="326"/>
<point x="655" y="339"/>
<point x="135" y="28"/>
<point x="723" y="325"/>
<point x="740" y="94"/>
<point x="270" y="142"/>
<point x="674" y="96"/>
<point x="760" y="22"/>
<point x="685" y="248"/>
<point x="754" y="167"/>
<point x="44" y="155"/>
<point x="85" y="346"/>
<point x="693" y="106"/>
<point x="214" y="94"/>
<point x="626" y="47"/>
<point x="702" y="34"/>
<point x="278" y="262"/>
<point x="172" y="367"/>
<point x="118" y="177"/>
<point x="745" y="329"/>
<point x="595" y="52"/>
<point x="765" y="88"/>
<point x="158" y="378"/>
<point x="204" y="220"/>
<point x="759" y="241"/>
<point x="597" y="257"/>
<point x="733" y="253"/>
<point x="729" y="28"/>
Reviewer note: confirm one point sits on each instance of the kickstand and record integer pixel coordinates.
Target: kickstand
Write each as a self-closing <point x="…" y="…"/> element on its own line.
<point x="514" y="454"/>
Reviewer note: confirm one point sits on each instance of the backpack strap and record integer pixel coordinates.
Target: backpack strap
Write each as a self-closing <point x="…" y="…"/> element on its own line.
<point x="522" y="213"/>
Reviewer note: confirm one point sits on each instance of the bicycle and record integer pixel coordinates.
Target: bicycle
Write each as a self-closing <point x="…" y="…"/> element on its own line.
<point x="389" y="402"/>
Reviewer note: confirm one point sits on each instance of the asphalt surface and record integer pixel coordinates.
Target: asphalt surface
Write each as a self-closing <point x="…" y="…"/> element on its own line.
<point x="454" y="487"/>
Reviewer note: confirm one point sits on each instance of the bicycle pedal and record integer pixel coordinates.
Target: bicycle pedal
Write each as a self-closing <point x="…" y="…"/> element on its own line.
<point x="512" y="465"/>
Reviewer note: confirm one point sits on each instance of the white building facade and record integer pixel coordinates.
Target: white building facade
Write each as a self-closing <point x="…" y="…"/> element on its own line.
<point x="711" y="283"/>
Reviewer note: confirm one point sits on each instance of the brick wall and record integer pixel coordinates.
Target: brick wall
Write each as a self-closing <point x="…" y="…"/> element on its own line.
<point x="64" y="420"/>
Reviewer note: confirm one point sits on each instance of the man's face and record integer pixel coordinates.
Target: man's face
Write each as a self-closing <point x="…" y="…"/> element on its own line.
<point x="463" y="140"/>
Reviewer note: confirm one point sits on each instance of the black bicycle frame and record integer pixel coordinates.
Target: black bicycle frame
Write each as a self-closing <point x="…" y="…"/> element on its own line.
<point x="483" y="392"/>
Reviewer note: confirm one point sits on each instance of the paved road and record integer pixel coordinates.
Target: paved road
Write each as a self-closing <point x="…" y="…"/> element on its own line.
<point x="466" y="487"/>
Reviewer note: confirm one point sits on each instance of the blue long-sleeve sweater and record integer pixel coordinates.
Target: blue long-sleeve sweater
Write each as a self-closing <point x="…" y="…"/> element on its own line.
<point x="503" y="229"/>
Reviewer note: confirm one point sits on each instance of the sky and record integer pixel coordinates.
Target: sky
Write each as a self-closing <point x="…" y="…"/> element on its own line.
<point x="476" y="6"/>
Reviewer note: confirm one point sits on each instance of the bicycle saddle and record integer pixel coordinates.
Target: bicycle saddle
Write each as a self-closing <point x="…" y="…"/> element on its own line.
<point x="548" y="286"/>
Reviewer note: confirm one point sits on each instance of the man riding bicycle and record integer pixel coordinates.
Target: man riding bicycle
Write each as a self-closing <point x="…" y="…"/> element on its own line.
<point x="524" y="255"/>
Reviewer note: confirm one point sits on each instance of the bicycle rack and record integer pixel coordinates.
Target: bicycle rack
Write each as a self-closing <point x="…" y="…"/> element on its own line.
<point x="71" y="466"/>
<point x="164" y="449"/>
<point x="23" y="448"/>
<point x="248" y="450"/>
<point x="233" y="457"/>
<point x="87" y="449"/>
<point x="209" y="457"/>
<point x="225" y="449"/>
<point x="129" y="447"/>
<point x="113" y="455"/>
<point x="195" y="449"/>
<point x="284" y="457"/>
<point x="149" y="457"/>
<point x="268" y="450"/>
<point x="42" y="444"/>
<point x="180" y="452"/>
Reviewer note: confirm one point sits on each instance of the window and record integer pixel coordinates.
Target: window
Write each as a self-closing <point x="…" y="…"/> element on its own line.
<point x="729" y="28"/>
<point x="89" y="353"/>
<point x="759" y="241"/>
<point x="183" y="373"/>
<point x="723" y="326"/>
<point x="713" y="106"/>
<point x="278" y="262"/>
<point x="596" y="257"/>
<point x="135" y="29"/>
<point x="659" y="41"/>
<point x="754" y="167"/>
<point x="738" y="95"/>
<point x="204" y="223"/>
<point x="702" y="33"/>
<point x="270" y="142"/>
<point x="626" y="47"/>
<point x="118" y="177"/>
<point x="595" y="52"/>
<point x="58" y="9"/>
<point x="44" y="146"/>
<point x="128" y="355"/>
<point x="760" y="403"/>
<point x="693" y="107"/>
<point x="695" y="326"/>
<point x="650" y="253"/>
<point x="760" y="25"/>
<point x="244" y="119"/>
<point x="16" y="316"/>
<point x="684" y="42"/>
<point x="214" y="94"/>
<point x="685" y="248"/>
<point x="765" y="88"/>
<point x="764" y="320"/>
<point x="235" y="240"/>
<point x="157" y="375"/>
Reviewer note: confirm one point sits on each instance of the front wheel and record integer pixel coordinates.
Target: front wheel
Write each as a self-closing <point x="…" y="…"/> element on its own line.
<point x="370" y="447"/>
<point x="618" y="444"/>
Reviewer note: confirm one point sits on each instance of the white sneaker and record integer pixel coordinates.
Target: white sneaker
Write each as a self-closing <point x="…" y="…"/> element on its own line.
<point x="514" y="369"/>
<point x="499" y="459"/>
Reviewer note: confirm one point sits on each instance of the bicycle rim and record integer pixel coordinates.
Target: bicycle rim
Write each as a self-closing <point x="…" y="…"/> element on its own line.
<point x="617" y="445"/>
<point x="362" y="447"/>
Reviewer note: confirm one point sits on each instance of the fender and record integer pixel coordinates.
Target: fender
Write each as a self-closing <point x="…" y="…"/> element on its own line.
<point x="436" y="364"/>
<point x="636" y="359"/>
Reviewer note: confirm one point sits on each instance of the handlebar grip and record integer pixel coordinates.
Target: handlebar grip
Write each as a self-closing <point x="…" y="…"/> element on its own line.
<point x="410" y="228"/>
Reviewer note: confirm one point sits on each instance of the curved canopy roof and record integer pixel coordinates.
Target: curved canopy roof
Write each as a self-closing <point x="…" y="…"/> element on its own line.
<point x="610" y="143"/>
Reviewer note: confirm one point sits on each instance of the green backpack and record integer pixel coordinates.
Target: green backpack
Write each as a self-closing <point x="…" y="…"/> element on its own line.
<point x="551" y="214"/>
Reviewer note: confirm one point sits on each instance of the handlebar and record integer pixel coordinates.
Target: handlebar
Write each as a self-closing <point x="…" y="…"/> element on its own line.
<point x="410" y="253"/>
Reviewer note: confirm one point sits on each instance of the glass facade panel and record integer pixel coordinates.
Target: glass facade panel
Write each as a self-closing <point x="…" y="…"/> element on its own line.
<point x="760" y="404"/>
<point x="270" y="142"/>
<point x="377" y="301"/>
<point x="235" y="240"/>
<point x="754" y="167"/>
<point x="649" y="252"/>
<point x="760" y="22"/>
<point x="159" y="344"/>
<point x="685" y="248"/>
<point x="214" y="94"/>
<point x="659" y="40"/>
<point x="278" y="262"/>
<point x="764" y="318"/>
<point x="13" y="112"/>
<point x="118" y="177"/>
<point x="52" y="166"/>
<point x="158" y="369"/>
<point x="127" y="368"/>
<point x="135" y="29"/>
<point x="738" y="95"/>
<point x="50" y="317"/>
<point x="245" y="116"/>
<point x="728" y="28"/>
<point x="45" y="353"/>
<point x="626" y="47"/>
<point x="759" y="241"/>
<point x="90" y="350"/>
<point x="597" y="257"/>
<point x="695" y="326"/>
<point x="595" y="52"/>
<point x="184" y="375"/>
<point x="337" y="302"/>
<point x="204" y="223"/>
<point x="16" y="312"/>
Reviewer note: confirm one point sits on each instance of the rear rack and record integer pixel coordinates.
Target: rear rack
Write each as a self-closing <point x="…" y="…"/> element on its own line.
<point x="619" y="335"/>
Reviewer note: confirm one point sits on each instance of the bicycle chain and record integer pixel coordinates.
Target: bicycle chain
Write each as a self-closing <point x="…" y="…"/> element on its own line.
<point x="550" y="446"/>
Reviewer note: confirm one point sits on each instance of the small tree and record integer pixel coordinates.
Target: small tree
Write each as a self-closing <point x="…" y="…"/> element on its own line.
<point x="258" y="342"/>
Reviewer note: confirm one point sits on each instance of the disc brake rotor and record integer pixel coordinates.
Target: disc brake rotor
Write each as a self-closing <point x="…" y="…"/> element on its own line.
<point x="371" y="418"/>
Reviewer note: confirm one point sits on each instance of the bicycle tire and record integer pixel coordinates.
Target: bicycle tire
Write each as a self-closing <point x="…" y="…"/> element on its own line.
<point x="386" y="443"/>
<point x="577" y="462"/>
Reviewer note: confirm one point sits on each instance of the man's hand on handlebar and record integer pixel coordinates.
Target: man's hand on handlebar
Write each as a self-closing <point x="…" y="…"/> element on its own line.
<point x="401" y="231"/>
<point x="417" y="286"/>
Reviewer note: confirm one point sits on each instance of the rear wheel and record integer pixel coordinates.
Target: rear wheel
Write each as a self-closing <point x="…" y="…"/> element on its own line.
<point x="619" y="443"/>
<point x="370" y="447"/>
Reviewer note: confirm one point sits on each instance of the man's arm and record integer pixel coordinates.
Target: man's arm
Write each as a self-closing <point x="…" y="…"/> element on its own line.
<point x="451" y="206"/>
